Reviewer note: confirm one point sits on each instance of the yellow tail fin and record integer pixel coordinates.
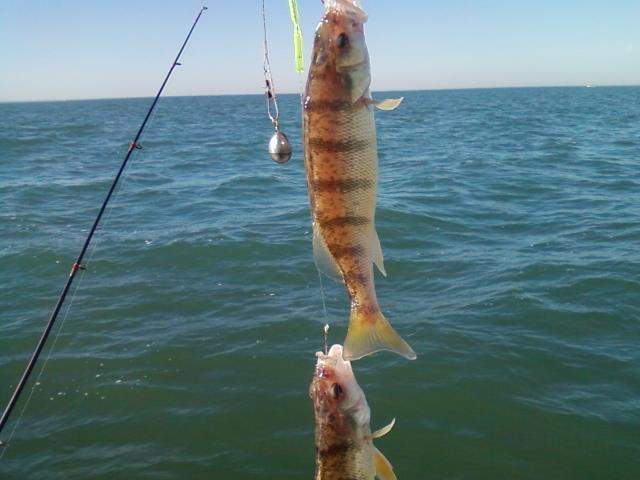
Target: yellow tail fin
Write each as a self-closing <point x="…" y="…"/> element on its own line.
<point x="371" y="333"/>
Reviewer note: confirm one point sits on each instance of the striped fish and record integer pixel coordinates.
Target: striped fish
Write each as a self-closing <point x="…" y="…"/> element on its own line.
<point x="341" y="159"/>
<point x="343" y="437"/>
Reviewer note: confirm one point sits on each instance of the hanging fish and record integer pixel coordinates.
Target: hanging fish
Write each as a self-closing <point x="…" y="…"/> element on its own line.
<point x="341" y="158"/>
<point x="344" y="442"/>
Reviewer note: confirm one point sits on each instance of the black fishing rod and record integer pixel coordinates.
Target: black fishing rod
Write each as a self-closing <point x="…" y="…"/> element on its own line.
<point x="77" y="265"/>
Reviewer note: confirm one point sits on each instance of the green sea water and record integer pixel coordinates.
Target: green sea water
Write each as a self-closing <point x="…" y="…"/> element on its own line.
<point x="510" y="224"/>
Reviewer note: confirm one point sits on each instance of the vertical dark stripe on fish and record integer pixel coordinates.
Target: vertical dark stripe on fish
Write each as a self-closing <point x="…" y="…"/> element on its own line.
<point x="338" y="146"/>
<point x="347" y="221"/>
<point x="340" y="251"/>
<point x="345" y="185"/>
<point x="355" y="277"/>
<point x="317" y="106"/>
<point x="333" y="450"/>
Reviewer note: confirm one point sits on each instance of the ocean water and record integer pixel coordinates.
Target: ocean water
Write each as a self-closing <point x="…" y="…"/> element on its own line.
<point x="510" y="224"/>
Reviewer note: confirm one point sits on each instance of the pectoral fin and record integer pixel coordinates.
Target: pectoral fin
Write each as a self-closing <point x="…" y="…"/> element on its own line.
<point x="384" y="469"/>
<point x="323" y="258"/>
<point x="384" y="430"/>
<point x="376" y="252"/>
<point x="389" y="104"/>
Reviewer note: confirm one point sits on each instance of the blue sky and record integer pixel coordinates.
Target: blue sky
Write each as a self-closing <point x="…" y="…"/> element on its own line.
<point x="68" y="49"/>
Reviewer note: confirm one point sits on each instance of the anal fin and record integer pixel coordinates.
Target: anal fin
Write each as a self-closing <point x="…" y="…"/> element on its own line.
<point x="376" y="252"/>
<point x="323" y="258"/>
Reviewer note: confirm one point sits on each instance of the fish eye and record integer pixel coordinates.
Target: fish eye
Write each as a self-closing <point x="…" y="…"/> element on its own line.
<point x="342" y="40"/>
<point x="336" y="390"/>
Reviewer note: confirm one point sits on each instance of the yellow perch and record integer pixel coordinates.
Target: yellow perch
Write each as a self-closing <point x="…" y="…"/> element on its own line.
<point x="341" y="158"/>
<point x="344" y="442"/>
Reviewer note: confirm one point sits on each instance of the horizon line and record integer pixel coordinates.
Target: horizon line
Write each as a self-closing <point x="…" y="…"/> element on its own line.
<point x="298" y="93"/>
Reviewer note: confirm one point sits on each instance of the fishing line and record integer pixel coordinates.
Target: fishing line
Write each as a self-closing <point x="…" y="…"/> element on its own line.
<point x="279" y="146"/>
<point x="324" y="305"/>
<point x="324" y="309"/>
<point x="294" y="14"/>
<point x="270" y="91"/>
<point x="78" y="264"/>
<point x="80" y="283"/>
<point x="37" y="383"/>
<point x="326" y="338"/>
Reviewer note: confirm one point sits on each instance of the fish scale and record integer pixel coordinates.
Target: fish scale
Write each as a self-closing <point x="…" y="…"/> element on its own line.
<point x="341" y="159"/>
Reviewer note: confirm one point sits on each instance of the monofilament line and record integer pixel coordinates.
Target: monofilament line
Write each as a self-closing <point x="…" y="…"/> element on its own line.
<point x="324" y="310"/>
<point x="78" y="264"/>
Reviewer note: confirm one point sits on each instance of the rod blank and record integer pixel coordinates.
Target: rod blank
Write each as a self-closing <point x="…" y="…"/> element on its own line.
<point x="77" y="265"/>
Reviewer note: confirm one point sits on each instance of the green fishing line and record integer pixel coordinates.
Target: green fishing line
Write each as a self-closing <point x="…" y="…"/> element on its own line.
<point x="297" y="35"/>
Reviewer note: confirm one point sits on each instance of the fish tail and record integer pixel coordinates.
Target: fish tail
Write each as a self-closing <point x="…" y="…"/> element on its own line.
<point x="371" y="332"/>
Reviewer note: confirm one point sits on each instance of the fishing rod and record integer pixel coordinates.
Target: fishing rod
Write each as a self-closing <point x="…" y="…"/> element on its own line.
<point x="77" y="265"/>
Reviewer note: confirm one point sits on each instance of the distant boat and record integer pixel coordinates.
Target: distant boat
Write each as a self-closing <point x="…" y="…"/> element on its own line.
<point x="588" y="85"/>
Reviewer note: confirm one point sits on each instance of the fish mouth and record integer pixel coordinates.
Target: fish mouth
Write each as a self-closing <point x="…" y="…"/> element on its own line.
<point x="330" y="370"/>
<point x="322" y="370"/>
<point x="327" y="362"/>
